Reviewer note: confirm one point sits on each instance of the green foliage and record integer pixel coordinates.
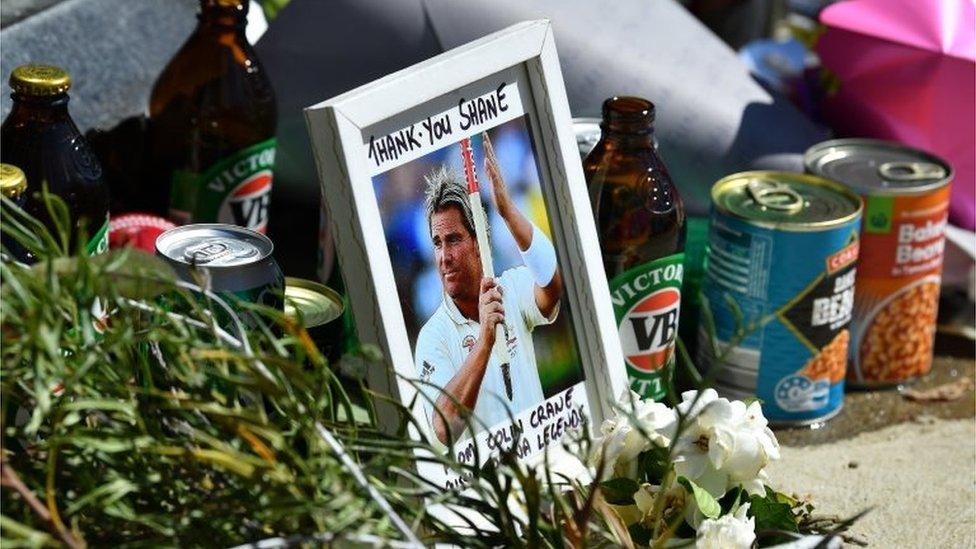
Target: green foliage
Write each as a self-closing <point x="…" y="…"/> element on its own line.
<point x="145" y="425"/>
<point x="706" y="503"/>
<point x="165" y="423"/>
<point x="771" y="513"/>
<point x="272" y="7"/>
<point x="654" y="464"/>
<point x="619" y="491"/>
<point x="640" y="535"/>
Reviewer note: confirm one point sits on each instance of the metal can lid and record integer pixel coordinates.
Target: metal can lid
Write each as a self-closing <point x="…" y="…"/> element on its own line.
<point x="39" y="80"/>
<point x="872" y="166"/>
<point x="213" y="245"/>
<point x="318" y="303"/>
<point x="786" y="201"/>
<point x="13" y="182"/>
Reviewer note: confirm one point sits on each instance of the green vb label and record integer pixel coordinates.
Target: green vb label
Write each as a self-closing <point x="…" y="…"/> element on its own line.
<point x="235" y="190"/>
<point x="98" y="243"/>
<point x="646" y="302"/>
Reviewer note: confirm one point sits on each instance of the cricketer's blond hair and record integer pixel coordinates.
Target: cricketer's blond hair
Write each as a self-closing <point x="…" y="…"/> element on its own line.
<point x="445" y="187"/>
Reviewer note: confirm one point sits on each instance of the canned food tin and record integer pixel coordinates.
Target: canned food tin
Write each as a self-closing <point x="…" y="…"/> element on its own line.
<point x="906" y="196"/>
<point x="779" y="282"/>
<point x="317" y="303"/>
<point x="225" y="259"/>
<point x="321" y="308"/>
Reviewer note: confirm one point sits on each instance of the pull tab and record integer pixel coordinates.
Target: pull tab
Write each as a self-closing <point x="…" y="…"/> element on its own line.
<point x="206" y="252"/>
<point x="911" y="171"/>
<point x="774" y="195"/>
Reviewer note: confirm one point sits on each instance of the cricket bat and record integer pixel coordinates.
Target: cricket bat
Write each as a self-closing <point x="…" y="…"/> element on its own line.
<point x="500" y="349"/>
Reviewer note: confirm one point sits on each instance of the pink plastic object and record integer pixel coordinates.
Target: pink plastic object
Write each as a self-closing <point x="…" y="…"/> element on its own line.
<point x="907" y="71"/>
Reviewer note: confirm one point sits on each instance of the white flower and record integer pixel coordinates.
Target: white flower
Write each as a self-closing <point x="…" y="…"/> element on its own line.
<point x="724" y="444"/>
<point x="566" y="465"/>
<point x="636" y="428"/>
<point x="728" y="531"/>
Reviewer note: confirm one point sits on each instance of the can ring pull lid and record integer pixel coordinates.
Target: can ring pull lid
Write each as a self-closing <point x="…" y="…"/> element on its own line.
<point x="774" y="195"/>
<point x="218" y="251"/>
<point x="911" y="171"/>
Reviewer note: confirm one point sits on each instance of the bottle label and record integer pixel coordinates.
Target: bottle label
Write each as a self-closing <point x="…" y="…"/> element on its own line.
<point x="647" y="302"/>
<point x="235" y="190"/>
<point x="98" y="244"/>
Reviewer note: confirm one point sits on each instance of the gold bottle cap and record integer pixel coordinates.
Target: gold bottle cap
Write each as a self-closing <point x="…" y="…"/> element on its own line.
<point x="39" y="80"/>
<point x="13" y="182"/>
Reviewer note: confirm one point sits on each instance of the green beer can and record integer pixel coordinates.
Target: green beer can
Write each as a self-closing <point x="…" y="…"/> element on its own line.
<point x="225" y="259"/>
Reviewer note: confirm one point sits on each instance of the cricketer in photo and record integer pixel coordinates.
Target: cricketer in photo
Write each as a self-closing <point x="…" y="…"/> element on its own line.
<point x="476" y="351"/>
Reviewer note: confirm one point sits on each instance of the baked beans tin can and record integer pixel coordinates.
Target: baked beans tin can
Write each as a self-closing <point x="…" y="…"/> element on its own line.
<point x="906" y="198"/>
<point x="779" y="286"/>
<point x="320" y="309"/>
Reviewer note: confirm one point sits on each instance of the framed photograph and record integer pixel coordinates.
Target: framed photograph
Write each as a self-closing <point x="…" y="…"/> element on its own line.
<point x="466" y="240"/>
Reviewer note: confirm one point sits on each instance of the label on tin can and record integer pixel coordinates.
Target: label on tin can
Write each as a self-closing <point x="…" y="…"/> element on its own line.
<point x="235" y="190"/>
<point x="781" y="303"/>
<point x="647" y="302"/>
<point x="898" y="286"/>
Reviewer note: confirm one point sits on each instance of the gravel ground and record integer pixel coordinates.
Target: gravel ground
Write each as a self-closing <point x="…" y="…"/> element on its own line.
<point x="919" y="477"/>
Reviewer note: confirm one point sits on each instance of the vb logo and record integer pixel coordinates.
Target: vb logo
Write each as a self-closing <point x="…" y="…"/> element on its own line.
<point x="247" y="204"/>
<point x="648" y="330"/>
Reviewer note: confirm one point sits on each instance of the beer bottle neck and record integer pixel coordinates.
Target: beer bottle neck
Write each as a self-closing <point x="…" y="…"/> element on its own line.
<point x="628" y="139"/>
<point x="628" y="121"/>
<point x="40" y="109"/>
<point x="228" y="14"/>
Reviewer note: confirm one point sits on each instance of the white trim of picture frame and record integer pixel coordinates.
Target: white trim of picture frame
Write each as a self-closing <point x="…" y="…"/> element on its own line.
<point x="337" y="129"/>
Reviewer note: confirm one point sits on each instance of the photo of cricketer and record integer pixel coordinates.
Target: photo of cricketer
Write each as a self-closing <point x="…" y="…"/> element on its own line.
<point x="477" y="346"/>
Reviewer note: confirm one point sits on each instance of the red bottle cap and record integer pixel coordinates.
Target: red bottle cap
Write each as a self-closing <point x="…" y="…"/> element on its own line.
<point x="136" y="229"/>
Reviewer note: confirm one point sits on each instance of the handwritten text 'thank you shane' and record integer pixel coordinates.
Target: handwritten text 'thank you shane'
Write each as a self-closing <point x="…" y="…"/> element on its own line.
<point x="468" y="113"/>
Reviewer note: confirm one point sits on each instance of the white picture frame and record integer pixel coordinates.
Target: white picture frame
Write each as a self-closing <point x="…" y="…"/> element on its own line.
<point x="341" y="131"/>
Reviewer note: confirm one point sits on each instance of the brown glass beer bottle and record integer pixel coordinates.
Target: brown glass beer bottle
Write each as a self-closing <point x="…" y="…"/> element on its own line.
<point x="13" y="186"/>
<point x="212" y="126"/>
<point x="641" y="225"/>
<point x="40" y="138"/>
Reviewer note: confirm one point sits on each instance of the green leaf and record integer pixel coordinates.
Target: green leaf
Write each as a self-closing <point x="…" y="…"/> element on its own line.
<point x="640" y="535"/>
<point x="126" y="408"/>
<point x="771" y="514"/>
<point x="706" y="503"/>
<point x="654" y="464"/>
<point x="784" y="498"/>
<point x="105" y="495"/>
<point x="619" y="491"/>
<point x="731" y="500"/>
<point x="102" y="444"/>
<point x="30" y="537"/>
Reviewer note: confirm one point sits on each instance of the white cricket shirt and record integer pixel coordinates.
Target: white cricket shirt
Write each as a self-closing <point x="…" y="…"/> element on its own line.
<point x="448" y="337"/>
